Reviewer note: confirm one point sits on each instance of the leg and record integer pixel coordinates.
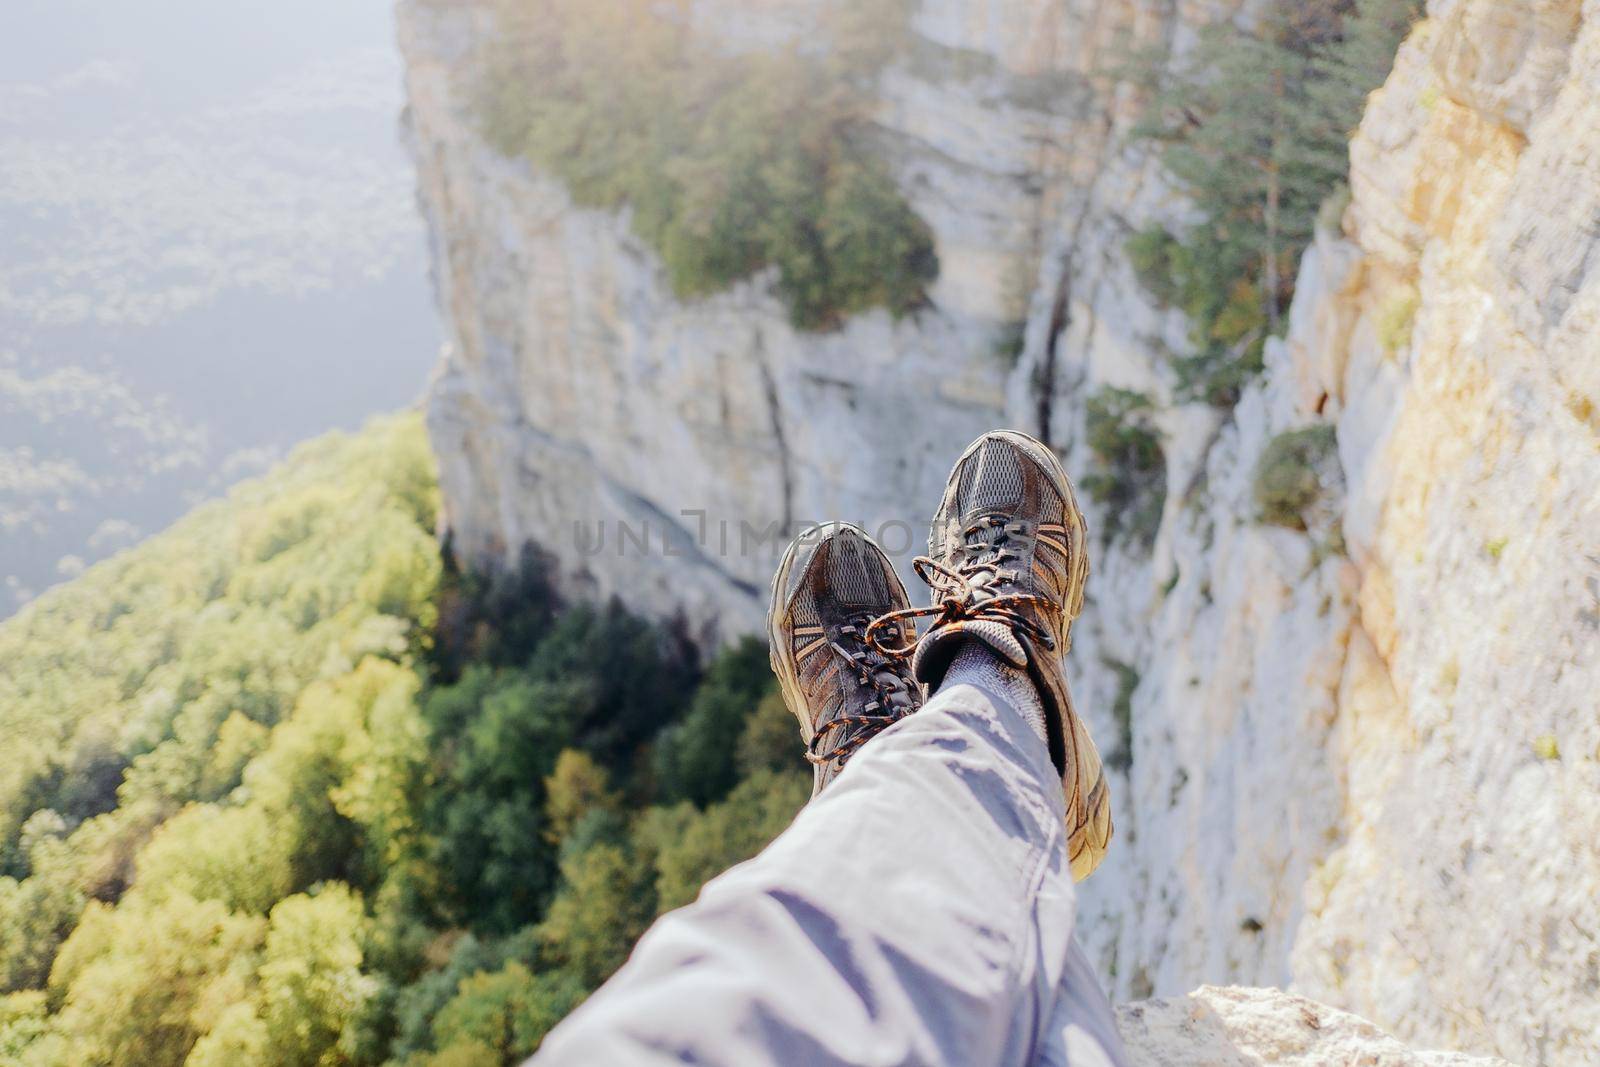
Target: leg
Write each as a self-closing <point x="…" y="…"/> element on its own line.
<point x="919" y="911"/>
<point x="1082" y="1031"/>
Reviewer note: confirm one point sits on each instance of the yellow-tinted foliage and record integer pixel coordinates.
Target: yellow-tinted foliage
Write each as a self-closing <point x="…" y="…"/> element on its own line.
<point x="231" y="611"/>
<point x="238" y="746"/>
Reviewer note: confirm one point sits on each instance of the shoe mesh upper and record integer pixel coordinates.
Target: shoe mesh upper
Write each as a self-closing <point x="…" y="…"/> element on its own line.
<point x="990" y="479"/>
<point x="844" y="584"/>
<point x="854" y="580"/>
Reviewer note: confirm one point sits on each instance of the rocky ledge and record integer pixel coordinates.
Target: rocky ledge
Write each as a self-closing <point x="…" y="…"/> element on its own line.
<point x="1235" y="1026"/>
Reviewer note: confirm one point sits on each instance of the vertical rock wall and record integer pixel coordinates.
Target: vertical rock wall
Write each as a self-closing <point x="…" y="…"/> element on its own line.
<point x="576" y="389"/>
<point x="1376" y="776"/>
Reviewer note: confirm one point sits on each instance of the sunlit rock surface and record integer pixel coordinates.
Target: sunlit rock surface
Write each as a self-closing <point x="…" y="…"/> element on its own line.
<point x="1464" y="900"/>
<point x="1375" y="777"/>
<point x="1243" y="1027"/>
<point x="1370" y="775"/>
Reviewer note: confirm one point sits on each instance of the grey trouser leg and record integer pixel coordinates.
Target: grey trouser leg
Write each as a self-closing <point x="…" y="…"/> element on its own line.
<point x="1083" y="1030"/>
<point x="918" y="912"/>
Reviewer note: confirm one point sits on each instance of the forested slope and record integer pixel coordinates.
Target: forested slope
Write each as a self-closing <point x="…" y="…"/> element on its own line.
<point x="283" y="788"/>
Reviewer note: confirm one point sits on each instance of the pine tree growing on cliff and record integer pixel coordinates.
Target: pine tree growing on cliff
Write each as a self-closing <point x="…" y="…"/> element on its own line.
<point x="1344" y="73"/>
<point x="1255" y="125"/>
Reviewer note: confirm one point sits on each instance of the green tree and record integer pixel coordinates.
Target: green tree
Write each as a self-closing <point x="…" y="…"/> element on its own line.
<point x="240" y="856"/>
<point x="731" y="162"/>
<point x="577" y="787"/>
<point x="118" y="684"/>
<point x="308" y="768"/>
<point x="1344" y="73"/>
<point x="691" y="847"/>
<point x="604" y="904"/>
<point x="24" y="1026"/>
<point x="638" y="676"/>
<point x="311" y="983"/>
<point x="696" y="757"/>
<point x="140" y="985"/>
<point x="309" y="988"/>
<point x="1255" y="126"/>
<point x="456" y="957"/>
<point x="1289" y="475"/>
<point x="1130" y="469"/>
<point x="38" y="912"/>
<point x="487" y="819"/>
<point x="770" y="740"/>
<point x="314" y="761"/>
<point x="505" y="1013"/>
<point x="239" y="740"/>
<point x="600" y="681"/>
<point x="239" y="1036"/>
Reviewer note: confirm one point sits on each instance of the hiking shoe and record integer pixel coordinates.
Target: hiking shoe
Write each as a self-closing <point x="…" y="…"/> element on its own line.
<point x="833" y="582"/>
<point x="1007" y="564"/>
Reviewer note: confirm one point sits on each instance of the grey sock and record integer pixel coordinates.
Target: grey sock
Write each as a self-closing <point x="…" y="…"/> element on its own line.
<point x="977" y="665"/>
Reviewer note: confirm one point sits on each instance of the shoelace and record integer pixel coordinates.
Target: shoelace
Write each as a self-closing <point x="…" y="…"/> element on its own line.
<point x="876" y="671"/>
<point x="964" y="593"/>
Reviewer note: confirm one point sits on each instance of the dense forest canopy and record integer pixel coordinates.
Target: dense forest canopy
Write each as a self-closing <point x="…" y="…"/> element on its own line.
<point x="284" y="787"/>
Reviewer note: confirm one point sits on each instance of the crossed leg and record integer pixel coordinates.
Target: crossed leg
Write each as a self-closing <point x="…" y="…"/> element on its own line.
<point x="918" y="911"/>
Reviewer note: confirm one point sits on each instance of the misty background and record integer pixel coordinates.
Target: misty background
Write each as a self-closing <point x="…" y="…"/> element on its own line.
<point x="209" y="250"/>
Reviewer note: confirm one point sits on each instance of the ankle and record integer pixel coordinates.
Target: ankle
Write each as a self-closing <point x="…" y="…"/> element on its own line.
<point x="975" y="663"/>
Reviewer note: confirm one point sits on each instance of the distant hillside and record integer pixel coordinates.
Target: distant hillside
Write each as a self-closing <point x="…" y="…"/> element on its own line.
<point x="205" y="212"/>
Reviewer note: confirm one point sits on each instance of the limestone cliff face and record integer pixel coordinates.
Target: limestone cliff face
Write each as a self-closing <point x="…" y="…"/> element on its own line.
<point x="577" y="390"/>
<point x="1469" y="707"/>
<point x="1373" y="775"/>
